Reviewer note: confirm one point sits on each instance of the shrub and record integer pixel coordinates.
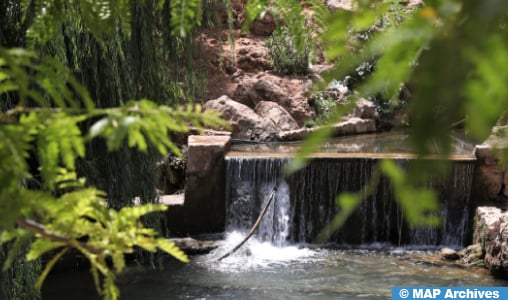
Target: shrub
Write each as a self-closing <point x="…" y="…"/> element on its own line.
<point x="287" y="57"/>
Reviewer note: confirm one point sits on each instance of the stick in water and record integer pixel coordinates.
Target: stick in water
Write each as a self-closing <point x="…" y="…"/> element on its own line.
<point x="255" y="227"/>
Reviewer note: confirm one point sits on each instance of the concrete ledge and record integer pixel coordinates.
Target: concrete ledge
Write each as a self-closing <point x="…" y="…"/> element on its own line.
<point x="204" y="206"/>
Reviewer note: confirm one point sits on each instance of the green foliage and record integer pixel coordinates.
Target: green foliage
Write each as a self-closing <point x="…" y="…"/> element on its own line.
<point x="285" y="57"/>
<point x="185" y="15"/>
<point x="66" y="213"/>
<point x="104" y="17"/>
<point x="293" y="44"/>
<point x="324" y="106"/>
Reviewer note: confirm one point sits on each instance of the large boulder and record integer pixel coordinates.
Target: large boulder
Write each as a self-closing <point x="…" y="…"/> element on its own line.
<point x="484" y="220"/>
<point x="496" y="246"/>
<point x="491" y="232"/>
<point x="490" y="180"/>
<point x="245" y="123"/>
<point x="277" y="114"/>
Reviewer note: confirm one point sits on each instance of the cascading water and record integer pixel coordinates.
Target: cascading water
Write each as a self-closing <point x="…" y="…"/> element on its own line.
<point x="249" y="189"/>
<point x="305" y="202"/>
<point x="268" y="267"/>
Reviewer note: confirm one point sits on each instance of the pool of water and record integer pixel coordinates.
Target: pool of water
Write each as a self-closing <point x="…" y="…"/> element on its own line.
<point x="391" y="144"/>
<point x="261" y="271"/>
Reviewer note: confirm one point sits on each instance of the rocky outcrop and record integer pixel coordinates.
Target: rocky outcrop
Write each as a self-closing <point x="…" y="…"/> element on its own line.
<point x="496" y="246"/>
<point x="490" y="183"/>
<point x="484" y="220"/>
<point x="491" y="233"/>
<point x="245" y="123"/>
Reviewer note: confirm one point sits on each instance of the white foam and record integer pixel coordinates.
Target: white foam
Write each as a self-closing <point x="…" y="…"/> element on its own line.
<point x="254" y="254"/>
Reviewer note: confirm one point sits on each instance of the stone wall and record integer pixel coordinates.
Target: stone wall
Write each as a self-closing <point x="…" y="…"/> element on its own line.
<point x="204" y="209"/>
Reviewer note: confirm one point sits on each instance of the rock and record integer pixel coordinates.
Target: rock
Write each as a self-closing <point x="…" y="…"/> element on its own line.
<point x="336" y="90"/>
<point x="252" y="57"/>
<point x="484" y="220"/>
<point x="485" y="155"/>
<point x="172" y="172"/>
<point x="287" y="92"/>
<point x="472" y="255"/>
<point x="277" y="114"/>
<point x="489" y="182"/>
<point x="490" y="178"/>
<point x="354" y="126"/>
<point x="290" y="97"/>
<point x="448" y="254"/>
<point x="365" y="109"/>
<point x="194" y="247"/>
<point x="245" y="123"/>
<point x="269" y="90"/>
<point x="347" y="127"/>
<point x="491" y="233"/>
<point x="496" y="246"/>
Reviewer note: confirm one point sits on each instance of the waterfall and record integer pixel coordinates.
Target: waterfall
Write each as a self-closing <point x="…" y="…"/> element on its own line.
<point x="306" y="201"/>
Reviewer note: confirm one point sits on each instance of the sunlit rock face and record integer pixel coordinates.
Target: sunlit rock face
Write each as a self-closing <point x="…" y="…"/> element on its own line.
<point x="491" y="232"/>
<point x="244" y="121"/>
<point x="496" y="246"/>
<point x="282" y="119"/>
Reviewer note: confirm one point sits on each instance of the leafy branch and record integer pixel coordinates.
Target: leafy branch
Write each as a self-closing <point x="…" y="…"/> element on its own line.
<point x="49" y="118"/>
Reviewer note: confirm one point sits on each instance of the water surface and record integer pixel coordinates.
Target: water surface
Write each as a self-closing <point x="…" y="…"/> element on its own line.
<point x="261" y="271"/>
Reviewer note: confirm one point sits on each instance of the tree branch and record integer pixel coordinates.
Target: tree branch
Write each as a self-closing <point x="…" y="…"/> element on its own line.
<point x="41" y="230"/>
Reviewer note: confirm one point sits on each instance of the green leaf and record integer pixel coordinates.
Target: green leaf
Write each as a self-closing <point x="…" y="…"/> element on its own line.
<point x="41" y="246"/>
<point x="171" y="248"/>
<point x="49" y="265"/>
<point x="8" y="235"/>
<point x="23" y="238"/>
<point x="118" y="261"/>
<point x="348" y="201"/>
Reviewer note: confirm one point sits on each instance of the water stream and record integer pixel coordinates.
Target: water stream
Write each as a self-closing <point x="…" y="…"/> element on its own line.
<point x="260" y="270"/>
<point x="375" y="250"/>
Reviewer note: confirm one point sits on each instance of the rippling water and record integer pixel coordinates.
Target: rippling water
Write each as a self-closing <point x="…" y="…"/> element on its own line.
<point x="259" y="270"/>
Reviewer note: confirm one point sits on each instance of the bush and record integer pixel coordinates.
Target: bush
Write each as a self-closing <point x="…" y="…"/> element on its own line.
<point x="287" y="56"/>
